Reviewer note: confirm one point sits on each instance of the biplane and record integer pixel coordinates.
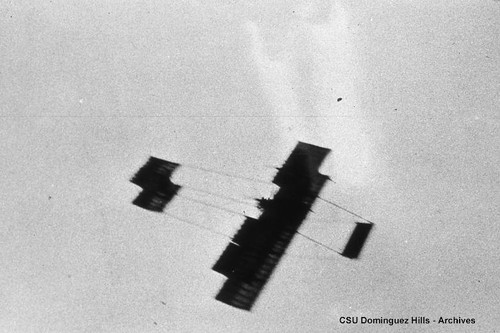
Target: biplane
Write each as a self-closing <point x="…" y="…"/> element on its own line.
<point x="255" y="250"/>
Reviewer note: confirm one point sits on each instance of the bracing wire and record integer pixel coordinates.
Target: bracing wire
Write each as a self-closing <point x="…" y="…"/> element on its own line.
<point x="345" y="209"/>
<point x="227" y="236"/>
<point x="317" y="242"/>
<point x="238" y="213"/>
<point x="197" y="225"/>
<point x="226" y="174"/>
<point x="317" y="221"/>
<point x="209" y="205"/>
<point x="233" y="212"/>
<point x="218" y="195"/>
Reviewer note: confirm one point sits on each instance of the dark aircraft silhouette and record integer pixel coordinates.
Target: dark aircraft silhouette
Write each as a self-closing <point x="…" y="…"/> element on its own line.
<point x="255" y="250"/>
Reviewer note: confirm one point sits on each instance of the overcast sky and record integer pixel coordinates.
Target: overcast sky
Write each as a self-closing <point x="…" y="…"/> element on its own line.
<point x="405" y="93"/>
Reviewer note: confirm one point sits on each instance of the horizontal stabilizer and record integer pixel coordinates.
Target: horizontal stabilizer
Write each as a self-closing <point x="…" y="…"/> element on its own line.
<point x="154" y="173"/>
<point x="158" y="189"/>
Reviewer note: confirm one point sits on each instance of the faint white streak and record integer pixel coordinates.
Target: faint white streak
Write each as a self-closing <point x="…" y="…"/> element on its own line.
<point x="274" y="80"/>
<point x="305" y="60"/>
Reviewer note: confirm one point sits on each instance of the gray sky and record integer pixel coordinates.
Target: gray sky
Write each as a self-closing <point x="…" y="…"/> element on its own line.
<point x="89" y="90"/>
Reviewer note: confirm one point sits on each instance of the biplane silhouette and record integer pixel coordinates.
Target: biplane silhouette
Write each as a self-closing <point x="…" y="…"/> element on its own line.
<point x="256" y="249"/>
